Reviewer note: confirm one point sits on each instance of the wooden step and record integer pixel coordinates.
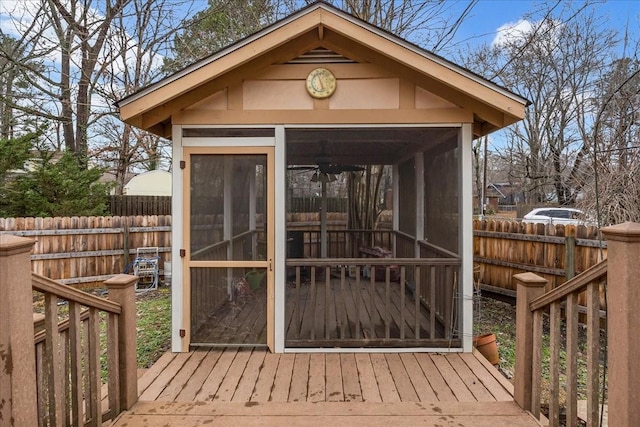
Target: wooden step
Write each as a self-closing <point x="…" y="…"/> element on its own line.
<point x="185" y="414"/>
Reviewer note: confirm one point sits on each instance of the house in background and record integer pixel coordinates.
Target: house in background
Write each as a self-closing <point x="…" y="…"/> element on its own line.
<point x="504" y="195"/>
<point x="151" y="183"/>
<point x="323" y="91"/>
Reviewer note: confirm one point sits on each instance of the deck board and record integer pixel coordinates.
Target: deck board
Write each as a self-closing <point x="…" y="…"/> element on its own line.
<point x="404" y="386"/>
<point x="255" y="375"/>
<point x="304" y="414"/>
<point x="152" y="373"/>
<point x="439" y="385"/>
<point x="230" y="382"/>
<point x="217" y="374"/>
<point x="387" y="386"/>
<point x="181" y="379"/>
<point x="333" y="309"/>
<point x="199" y="376"/>
<point x="299" y="378"/>
<point x="368" y="382"/>
<point x="249" y="377"/>
<point x="266" y="378"/>
<point x="317" y="378"/>
<point x="452" y="378"/>
<point x="476" y="387"/>
<point x="251" y="386"/>
<point x="350" y="382"/>
<point x="420" y="383"/>
<point x="160" y="383"/>
<point x="282" y="382"/>
<point x="335" y="392"/>
<point x="497" y="391"/>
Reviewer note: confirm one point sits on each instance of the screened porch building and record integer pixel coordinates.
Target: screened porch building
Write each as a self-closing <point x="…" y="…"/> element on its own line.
<point x="325" y="93"/>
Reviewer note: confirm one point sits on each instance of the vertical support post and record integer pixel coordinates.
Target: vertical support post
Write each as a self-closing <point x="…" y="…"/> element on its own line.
<point x="623" y="318"/>
<point x="277" y="188"/>
<point x="465" y="235"/>
<point x="18" y="395"/>
<point x="395" y="182"/>
<point x="419" y="187"/>
<point x="323" y="220"/>
<point x="180" y="285"/>
<point x="529" y="287"/>
<point x="122" y="290"/>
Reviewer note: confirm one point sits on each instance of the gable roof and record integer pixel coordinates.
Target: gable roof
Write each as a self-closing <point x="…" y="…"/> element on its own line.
<point x="321" y="25"/>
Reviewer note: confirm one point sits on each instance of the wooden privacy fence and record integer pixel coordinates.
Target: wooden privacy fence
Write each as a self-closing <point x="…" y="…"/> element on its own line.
<point x="139" y="205"/>
<point x="123" y="205"/>
<point x="312" y="204"/>
<point x="85" y="251"/>
<point x="555" y="252"/>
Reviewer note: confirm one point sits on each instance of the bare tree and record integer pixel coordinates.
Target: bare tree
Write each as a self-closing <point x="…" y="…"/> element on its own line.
<point x="137" y="46"/>
<point x="430" y="24"/>
<point x="555" y="65"/>
<point x="76" y="58"/>
<point x="222" y="23"/>
<point x="610" y="171"/>
<point x="427" y="23"/>
<point x="81" y="33"/>
<point x="20" y="63"/>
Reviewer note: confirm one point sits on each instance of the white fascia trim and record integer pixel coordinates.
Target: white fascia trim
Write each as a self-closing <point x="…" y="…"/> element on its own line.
<point x="176" y="243"/>
<point x="229" y="142"/>
<point x="373" y="125"/>
<point x="466" y="234"/>
<point x="280" y="201"/>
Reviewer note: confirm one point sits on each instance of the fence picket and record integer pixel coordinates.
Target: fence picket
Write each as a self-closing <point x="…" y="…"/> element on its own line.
<point x="505" y="248"/>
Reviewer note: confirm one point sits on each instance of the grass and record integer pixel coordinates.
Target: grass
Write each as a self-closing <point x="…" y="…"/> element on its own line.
<point x="499" y="317"/>
<point x="153" y="325"/>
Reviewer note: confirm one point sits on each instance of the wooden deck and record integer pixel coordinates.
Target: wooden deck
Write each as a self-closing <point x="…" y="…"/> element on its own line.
<point x="254" y="387"/>
<point x="341" y="312"/>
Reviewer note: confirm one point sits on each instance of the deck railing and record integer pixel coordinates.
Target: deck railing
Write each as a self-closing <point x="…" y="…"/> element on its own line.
<point x="84" y="353"/>
<point x="69" y="369"/>
<point x="340" y="243"/>
<point x="562" y="305"/>
<point x="378" y="302"/>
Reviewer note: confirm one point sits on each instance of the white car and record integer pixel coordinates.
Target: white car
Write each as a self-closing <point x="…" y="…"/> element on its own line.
<point x="566" y="216"/>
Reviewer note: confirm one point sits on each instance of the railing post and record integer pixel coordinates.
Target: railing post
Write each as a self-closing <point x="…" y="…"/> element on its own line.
<point x="122" y="290"/>
<point x="623" y="319"/>
<point x="18" y="395"/>
<point x="529" y="287"/>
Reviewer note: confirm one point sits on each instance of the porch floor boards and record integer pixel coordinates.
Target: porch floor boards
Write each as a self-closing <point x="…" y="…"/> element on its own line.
<point x="251" y="386"/>
<point x="353" y="312"/>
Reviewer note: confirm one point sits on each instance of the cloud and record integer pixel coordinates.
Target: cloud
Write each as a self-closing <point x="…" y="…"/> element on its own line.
<point x="17" y="15"/>
<point x="512" y="31"/>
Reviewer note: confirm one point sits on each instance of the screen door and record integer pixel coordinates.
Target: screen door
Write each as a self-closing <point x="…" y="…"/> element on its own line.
<point x="229" y="255"/>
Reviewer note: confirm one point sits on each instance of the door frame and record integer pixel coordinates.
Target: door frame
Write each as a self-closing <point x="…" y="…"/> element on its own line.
<point x="228" y="146"/>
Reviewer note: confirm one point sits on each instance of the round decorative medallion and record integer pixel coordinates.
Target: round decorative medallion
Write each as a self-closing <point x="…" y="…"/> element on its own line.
<point x="321" y="83"/>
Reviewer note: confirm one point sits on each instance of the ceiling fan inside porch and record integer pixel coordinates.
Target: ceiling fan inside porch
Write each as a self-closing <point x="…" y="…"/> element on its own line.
<point x="325" y="168"/>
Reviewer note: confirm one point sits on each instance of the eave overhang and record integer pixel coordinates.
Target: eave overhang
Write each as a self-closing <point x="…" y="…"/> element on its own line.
<point x="322" y="26"/>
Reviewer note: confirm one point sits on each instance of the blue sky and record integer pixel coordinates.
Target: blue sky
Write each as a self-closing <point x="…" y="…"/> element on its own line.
<point x="489" y="15"/>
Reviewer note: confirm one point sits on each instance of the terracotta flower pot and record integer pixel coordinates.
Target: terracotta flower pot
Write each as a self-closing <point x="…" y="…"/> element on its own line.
<point x="488" y="347"/>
